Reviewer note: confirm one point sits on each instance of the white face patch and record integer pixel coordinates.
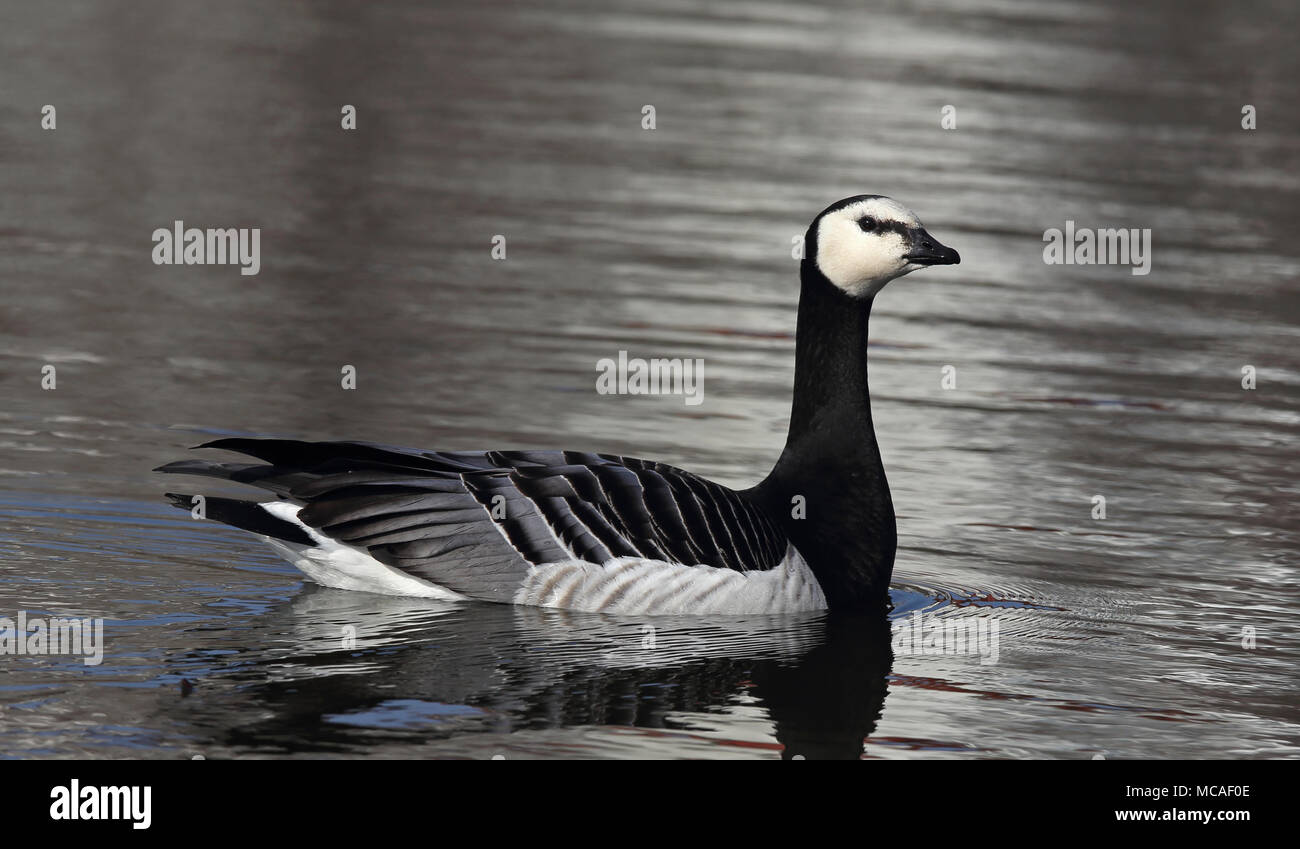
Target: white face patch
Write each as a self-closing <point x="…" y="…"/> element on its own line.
<point x="859" y="262"/>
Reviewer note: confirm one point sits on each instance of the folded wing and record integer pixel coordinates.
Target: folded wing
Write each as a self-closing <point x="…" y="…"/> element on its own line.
<point x="475" y="522"/>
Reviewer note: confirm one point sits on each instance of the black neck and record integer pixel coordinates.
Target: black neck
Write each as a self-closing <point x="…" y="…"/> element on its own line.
<point x="831" y="458"/>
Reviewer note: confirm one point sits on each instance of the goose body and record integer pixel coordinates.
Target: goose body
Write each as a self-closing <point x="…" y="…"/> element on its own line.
<point x="599" y="532"/>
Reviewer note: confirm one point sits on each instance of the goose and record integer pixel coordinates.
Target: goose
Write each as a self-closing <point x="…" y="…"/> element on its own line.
<point x="611" y="534"/>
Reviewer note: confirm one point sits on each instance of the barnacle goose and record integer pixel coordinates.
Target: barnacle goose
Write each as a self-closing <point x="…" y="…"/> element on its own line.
<point x="597" y="532"/>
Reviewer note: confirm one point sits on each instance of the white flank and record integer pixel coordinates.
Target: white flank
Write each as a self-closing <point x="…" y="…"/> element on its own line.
<point x="628" y="585"/>
<point x="345" y="567"/>
<point x="637" y="586"/>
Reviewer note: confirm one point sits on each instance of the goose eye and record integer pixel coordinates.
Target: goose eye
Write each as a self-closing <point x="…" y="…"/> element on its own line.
<point x="868" y="224"/>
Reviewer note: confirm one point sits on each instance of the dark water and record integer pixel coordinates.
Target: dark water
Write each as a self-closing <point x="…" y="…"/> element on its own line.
<point x="1127" y="636"/>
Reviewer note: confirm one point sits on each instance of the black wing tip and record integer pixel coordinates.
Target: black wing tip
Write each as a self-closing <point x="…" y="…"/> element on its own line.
<point x="176" y="467"/>
<point x="245" y="515"/>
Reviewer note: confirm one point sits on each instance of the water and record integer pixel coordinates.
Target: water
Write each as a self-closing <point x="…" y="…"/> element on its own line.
<point x="1123" y="637"/>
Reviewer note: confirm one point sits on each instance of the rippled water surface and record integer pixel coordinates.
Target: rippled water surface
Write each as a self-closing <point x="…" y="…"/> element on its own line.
<point x="1166" y="629"/>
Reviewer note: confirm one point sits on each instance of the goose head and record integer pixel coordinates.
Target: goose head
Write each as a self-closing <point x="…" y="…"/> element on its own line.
<point x="861" y="243"/>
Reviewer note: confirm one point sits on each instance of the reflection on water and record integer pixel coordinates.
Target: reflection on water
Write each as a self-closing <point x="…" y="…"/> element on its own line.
<point x="1164" y="630"/>
<point x="411" y="675"/>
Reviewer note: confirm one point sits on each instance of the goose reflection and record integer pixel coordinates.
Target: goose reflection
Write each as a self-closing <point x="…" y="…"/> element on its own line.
<point x="355" y="666"/>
